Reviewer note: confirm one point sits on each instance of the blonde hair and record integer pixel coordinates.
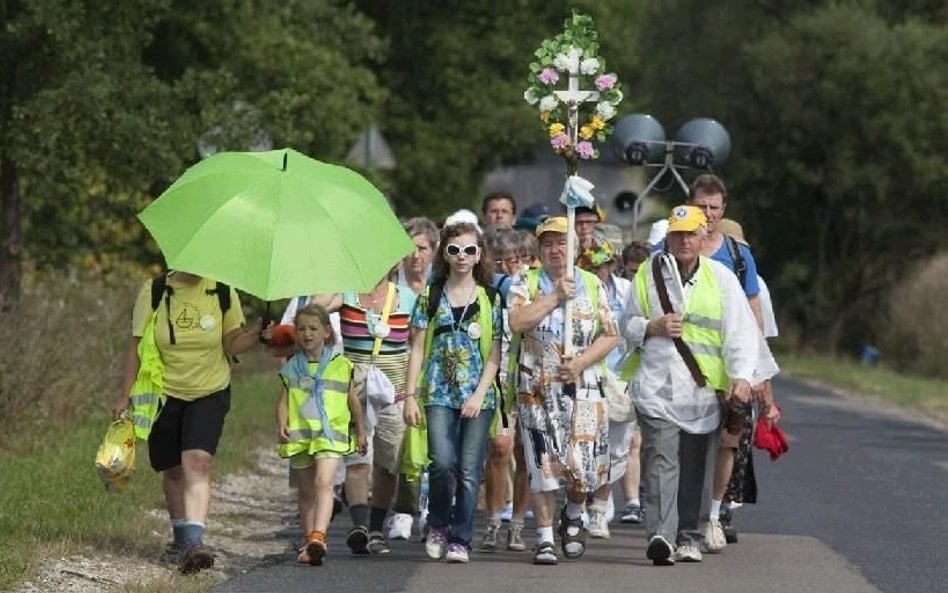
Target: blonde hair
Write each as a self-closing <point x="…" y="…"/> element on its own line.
<point x="320" y="313"/>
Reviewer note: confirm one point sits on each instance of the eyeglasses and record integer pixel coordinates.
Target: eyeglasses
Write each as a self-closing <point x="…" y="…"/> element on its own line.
<point x="512" y="261"/>
<point x="455" y="250"/>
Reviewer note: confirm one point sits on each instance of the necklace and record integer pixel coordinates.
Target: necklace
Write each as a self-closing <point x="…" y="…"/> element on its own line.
<point x="456" y="323"/>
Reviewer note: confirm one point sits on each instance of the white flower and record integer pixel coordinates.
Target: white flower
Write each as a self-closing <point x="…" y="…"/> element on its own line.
<point x="589" y="66"/>
<point x="605" y="110"/>
<point x="568" y="62"/>
<point x="548" y="103"/>
<point x="530" y="96"/>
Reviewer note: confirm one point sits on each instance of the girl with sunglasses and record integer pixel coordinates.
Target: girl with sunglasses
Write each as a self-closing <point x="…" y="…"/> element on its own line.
<point x="455" y="354"/>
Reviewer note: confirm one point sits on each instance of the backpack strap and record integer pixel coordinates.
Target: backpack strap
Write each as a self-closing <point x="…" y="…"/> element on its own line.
<point x="680" y="345"/>
<point x="740" y="264"/>
<point x="434" y="292"/>
<point x="161" y="289"/>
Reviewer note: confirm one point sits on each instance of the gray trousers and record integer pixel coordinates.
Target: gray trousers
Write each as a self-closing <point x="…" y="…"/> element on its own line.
<point x="679" y="469"/>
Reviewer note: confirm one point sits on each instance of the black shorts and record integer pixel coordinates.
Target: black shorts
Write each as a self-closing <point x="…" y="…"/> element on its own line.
<point x="184" y="425"/>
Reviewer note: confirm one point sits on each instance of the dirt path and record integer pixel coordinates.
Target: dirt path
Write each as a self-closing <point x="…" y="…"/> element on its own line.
<point x="252" y="523"/>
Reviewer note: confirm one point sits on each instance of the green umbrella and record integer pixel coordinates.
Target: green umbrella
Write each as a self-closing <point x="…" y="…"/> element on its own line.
<point x="277" y="224"/>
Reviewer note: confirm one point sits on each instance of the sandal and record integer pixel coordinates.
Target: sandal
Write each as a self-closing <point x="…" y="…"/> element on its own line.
<point x="572" y="536"/>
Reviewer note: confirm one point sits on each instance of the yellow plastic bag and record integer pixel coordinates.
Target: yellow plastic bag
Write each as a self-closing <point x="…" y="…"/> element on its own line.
<point x="115" y="459"/>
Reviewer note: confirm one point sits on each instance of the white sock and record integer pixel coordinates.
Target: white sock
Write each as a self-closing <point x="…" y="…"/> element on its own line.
<point x="715" y="509"/>
<point x="574" y="510"/>
<point x="545" y="534"/>
<point x="635" y="502"/>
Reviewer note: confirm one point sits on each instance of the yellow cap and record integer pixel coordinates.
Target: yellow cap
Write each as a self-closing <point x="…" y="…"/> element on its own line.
<point x="686" y="219"/>
<point x="554" y="224"/>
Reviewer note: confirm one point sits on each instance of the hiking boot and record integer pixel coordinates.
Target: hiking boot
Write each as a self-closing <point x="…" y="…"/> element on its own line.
<point x="545" y="554"/>
<point x="358" y="540"/>
<point x="632" y="514"/>
<point x="688" y="551"/>
<point x="436" y="542"/>
<point x="456" y="553"/>
<point x="195" y="558"/>
<point x="316" y="548"/>
<point x="515" y="537"/>
<point x="489" y="543"/>
<point x="714" y="539"/>
<point x="598" y="525"/>
<point x="377" y="543"/>
<point x="659" y="551"/>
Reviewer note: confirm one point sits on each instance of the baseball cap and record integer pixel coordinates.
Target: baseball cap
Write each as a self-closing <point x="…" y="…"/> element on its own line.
<point x="554" y="224"/>
<point x="686" y="219"/>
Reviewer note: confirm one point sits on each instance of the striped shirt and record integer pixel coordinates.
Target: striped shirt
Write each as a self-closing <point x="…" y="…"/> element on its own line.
<point x="358" y="341"/>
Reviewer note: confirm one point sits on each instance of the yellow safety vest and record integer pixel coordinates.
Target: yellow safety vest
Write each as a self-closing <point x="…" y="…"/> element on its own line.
<point x="147" y="392"/>
<point x="308" y="435"/>
<point x="701" y="327"/>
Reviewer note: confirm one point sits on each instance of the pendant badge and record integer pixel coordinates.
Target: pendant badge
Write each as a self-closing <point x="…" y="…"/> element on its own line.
<point x="474" y="330"/>
<point x="381" y="330"/>
<point x="207" y="322"/>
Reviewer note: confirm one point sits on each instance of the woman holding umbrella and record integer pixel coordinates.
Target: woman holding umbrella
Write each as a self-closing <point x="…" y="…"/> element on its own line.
<point x="197" y="326"/>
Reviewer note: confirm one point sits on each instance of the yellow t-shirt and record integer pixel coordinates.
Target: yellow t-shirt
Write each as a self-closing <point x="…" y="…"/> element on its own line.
<point x="195" y="366"/>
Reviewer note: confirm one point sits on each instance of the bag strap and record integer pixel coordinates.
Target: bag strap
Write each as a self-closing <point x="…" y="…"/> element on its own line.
<point x="740" y="264"/>
<point x="386" y="309"/>
<point x="680" y="345"/>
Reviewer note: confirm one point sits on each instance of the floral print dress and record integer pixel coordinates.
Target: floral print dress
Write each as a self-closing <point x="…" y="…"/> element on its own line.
<point x="565" y="428"/>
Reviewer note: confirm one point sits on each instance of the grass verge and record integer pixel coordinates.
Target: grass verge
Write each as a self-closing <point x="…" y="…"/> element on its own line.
<point x="53" y="502"/>
<point x="927" y="396"/>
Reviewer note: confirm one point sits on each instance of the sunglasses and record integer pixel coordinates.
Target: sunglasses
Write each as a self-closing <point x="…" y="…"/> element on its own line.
<point x="454" y="250"/>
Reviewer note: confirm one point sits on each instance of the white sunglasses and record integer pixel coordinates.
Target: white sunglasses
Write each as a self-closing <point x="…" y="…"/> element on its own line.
<point x="455" y="250"/>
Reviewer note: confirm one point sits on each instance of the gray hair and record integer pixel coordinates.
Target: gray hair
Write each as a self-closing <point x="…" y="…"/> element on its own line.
<point x="528" y="243"/>
<point x="423" y="226"/>
<point x="501" y="240"/>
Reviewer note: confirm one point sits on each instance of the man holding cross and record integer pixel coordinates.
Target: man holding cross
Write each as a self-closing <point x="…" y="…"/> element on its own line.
<point x="698" y="340"/>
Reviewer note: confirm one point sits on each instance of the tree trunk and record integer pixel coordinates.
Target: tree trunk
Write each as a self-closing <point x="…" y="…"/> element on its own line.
<point x="11" y="238"/>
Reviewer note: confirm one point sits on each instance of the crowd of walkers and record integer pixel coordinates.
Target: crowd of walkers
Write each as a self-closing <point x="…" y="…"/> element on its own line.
<point x="486" y="370"/>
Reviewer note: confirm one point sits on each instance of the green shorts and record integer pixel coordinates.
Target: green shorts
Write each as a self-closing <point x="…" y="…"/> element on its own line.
<point x="305" y="460"/>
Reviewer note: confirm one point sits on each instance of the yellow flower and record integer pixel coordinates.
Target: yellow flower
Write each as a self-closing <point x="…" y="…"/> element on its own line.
<point x="557" y="129"/>
<point x="544" y="116"/>
<point x="586" y="132"/>
<point x="597" y="123"/>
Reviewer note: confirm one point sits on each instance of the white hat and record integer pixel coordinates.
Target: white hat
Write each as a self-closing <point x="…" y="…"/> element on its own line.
<point x="462" y="215"/>
<point x="658" y="231"/>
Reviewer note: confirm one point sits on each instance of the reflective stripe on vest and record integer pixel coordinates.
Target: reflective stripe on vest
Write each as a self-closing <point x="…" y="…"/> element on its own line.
<point x="308" y="435"/>
<point x="701" y="328"/>
<point x="147" y="390"/>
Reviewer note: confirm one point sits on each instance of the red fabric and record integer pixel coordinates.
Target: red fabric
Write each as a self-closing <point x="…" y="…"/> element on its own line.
<point x="283" y="335"/>
<point x="770" y="438"/>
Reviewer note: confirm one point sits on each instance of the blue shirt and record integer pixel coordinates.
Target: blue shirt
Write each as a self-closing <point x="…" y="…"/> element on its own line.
<point x="723" y="255"/>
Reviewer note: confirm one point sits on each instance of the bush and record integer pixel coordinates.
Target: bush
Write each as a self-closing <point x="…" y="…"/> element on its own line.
<point x="913" y="334"/>
<point x="63" y="344"/>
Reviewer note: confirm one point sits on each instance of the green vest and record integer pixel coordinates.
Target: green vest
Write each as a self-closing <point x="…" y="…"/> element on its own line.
<point x="701" y="328"/>
<point x="147" y="392"/>
<point x="532" y="277"/>
<point x="308" y="435"/>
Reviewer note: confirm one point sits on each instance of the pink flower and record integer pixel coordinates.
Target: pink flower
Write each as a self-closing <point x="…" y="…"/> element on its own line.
<point x="604" y="82"/>
<point x="549" y="76"/>
<point x="585" y="150"/>
<point x="560" y="141"/>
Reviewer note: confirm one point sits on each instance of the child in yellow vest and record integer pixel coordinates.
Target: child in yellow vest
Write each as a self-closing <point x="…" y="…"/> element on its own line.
<point x="317" y="411"/>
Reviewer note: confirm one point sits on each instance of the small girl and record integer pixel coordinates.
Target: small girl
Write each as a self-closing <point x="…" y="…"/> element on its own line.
<point x="318" y="406"/>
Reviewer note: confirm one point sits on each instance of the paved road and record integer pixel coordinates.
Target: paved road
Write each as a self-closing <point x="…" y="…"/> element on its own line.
<point x="857" y="506"/>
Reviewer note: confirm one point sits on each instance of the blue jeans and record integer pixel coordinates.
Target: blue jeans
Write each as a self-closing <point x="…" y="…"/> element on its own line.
<point x="457" y="448"/>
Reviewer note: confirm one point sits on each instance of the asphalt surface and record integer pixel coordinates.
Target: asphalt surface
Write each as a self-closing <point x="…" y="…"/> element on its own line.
<point x="858" y="505"/>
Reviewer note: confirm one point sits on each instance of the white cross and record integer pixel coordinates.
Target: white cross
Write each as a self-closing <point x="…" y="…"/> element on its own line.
<point x="573" y="97"/>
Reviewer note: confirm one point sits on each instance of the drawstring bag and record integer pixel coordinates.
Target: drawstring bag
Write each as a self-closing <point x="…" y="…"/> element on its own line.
<point x="621" y="408"/>
<point x="115" y="459"/>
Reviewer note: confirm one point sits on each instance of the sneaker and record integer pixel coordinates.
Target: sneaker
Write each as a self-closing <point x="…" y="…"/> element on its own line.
<point x="714" y="538"/>
<point x="515" y="537"/>
<point x="435" y="543"/>
<point x="358" y="540"/>
<point x="195" y="558"/>
<point x="598" y="525"/>
<point x="572" y="536"/>
<point x="456" y="553"/>
<point x="688" y="552"/>
<point x="659" y="551"/>
<point x="399" y="526"/>
<point x="507" y="514"/>
<point x="377" y="543"/>
<point x="489" y="543"/>
<point x="632" y="514"/>
<point x="303" y="556"/>
<point x="544" y="553"/>
<point x="315" y="548"/>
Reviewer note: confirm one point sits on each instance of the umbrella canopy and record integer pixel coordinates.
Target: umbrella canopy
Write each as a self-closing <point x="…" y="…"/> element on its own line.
<point x="277" y="224"/>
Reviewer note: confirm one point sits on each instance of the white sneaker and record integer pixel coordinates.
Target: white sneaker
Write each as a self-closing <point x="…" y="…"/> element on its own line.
<point x="507" y="514"/>
<point x="688" y="552"/>
<point x="598" y="525"/>
<point x="399" y="526"/>
<point x="714" y="540"/>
